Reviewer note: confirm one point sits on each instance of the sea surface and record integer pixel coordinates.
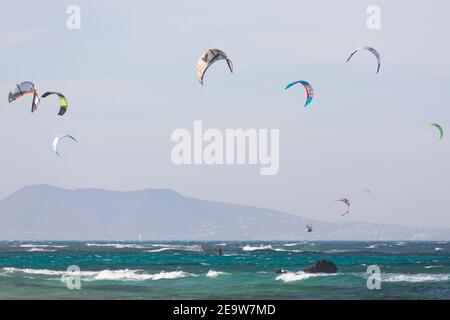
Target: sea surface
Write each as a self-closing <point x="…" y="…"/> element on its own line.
<point x="245" y="270"/>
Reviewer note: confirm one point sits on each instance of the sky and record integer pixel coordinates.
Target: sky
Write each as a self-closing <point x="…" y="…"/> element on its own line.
<point x="129" y="76"/>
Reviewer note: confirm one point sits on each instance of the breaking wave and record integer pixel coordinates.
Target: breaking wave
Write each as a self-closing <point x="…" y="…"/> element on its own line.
<point x="214" y="274"/>
<point x="424" y="277"/>
<point x="250" y="248"/>
<point x="149" y="247"/>
<point x="35" y="246"/>
<point x="117" y="245"/>
<point x="114" y="275"/>
<point x="40" y="250"/>
<point x="298" y="276"/>
<point x="192" y="248"/>
<point x="269" y="247"/>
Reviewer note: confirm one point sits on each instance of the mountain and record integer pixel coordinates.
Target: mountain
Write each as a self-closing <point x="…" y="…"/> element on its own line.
<point x="43" y="212"/>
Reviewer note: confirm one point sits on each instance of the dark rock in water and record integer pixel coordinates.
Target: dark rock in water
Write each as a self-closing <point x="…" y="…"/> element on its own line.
<point x="322" y="266"/>
<point x="281" y="271"/>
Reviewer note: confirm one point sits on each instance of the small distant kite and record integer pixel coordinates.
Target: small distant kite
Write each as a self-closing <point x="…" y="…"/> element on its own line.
<point x="22" y="89"/>
<point x="375" y="53"/>
<point x="347" y="202"/>
<point x="207" y="59"/>
<point x="368" y="191"/>
<point x="62" y="101"/>
<point x="308" y="88"/>
<point x="437" y="126"/>
<point x="309" y="228"/>
<point x="58" y="139"/>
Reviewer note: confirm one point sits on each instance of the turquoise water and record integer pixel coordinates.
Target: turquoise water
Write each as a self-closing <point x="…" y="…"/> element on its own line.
<point x="246" y="270"/>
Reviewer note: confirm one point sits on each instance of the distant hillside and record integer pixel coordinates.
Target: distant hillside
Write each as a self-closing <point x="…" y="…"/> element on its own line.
<point x="43" y="212"/>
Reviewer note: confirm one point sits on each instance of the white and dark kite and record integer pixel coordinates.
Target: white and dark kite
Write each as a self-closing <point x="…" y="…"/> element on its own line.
<point x="207" y="59"/>
<point x="58" y="139"/>
<point x="347" y="202"/>
<point x="375" y="53"/>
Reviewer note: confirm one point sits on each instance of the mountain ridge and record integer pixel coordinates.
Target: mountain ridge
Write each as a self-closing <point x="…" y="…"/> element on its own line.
<point x="46" y="212"/>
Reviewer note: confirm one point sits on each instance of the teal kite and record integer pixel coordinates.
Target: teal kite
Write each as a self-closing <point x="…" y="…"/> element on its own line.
<point x="308" y="88"/>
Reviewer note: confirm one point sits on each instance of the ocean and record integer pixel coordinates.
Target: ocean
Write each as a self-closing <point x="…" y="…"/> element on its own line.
<point x="245" y="270"/>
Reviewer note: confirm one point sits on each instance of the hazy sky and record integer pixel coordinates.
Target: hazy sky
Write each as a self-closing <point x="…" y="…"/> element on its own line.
<point x="129" y="76"/>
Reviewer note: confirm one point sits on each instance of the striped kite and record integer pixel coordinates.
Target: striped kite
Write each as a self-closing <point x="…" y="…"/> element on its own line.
<point x="22" y="89"/>
<point x="308" y="88"/>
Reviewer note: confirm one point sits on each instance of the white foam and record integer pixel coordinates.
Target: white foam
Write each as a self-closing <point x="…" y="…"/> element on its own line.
<point x="136" y="275"/>
<point x="192" y="248"/>
<point x="45" y="272"/>
<point x="158" y="250"/>
<point x="114" y="275"/>
<point x="339" y="250"/>
<point x="41" y="246"/>
<point x="195" y="247"/>
<point x="214" y="274"/>
<point x="171" y="275"/>
<point x="298" y="276"/>
<point x="117" y="245"/>
<point x="424" y="277"/>
<point x="160" y="247"/>
<point x="438" y="249"/>
<point x="286" y="250"/>
<point x="261" y="247"/>
<point x="40" y="250"/>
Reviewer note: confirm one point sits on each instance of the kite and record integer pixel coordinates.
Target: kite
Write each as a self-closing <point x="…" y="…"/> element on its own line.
<point x="368" y="191"/>
<point x="308" y="88"/>
<point x="207" y="59"/>
<point x="441" y="130"/>
<point x="62" y="101"/>
<point x="375" y="53"/>
<point x="22" y="89"/>
<point x="309" y="228"/>
<point x="347" y="202"/>
<point x="58" y="139"/>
